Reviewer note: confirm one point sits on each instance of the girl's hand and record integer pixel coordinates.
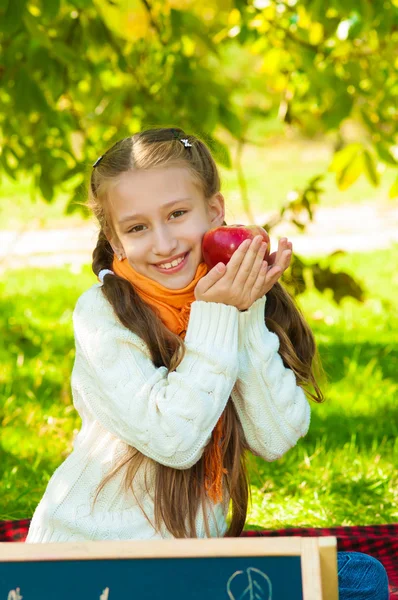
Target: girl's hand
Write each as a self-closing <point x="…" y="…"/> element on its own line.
<point x="278" y="262"/>
<point x="244" y="279"/>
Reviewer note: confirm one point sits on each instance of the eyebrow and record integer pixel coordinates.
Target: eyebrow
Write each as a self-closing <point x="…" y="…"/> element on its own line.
<point x="139" y="216"/>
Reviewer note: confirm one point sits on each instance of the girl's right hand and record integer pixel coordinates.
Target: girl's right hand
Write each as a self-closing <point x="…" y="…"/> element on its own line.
<point x="238" y="283"/>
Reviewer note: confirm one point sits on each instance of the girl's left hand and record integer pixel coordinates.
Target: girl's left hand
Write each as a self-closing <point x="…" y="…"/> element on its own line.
<point x="278" y="262"/>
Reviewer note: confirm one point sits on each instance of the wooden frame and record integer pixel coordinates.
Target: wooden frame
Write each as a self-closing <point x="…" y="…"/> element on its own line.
<point x="318" y="554"/>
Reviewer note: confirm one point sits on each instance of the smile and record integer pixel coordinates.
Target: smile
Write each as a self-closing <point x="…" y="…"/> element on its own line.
<point x="173" y="267"/>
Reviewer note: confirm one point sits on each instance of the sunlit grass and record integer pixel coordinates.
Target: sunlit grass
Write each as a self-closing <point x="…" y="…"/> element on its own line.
<point x="343" y="472"/>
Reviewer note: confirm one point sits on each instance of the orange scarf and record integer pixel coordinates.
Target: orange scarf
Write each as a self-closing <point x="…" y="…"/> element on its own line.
<point x="174" y="307"/>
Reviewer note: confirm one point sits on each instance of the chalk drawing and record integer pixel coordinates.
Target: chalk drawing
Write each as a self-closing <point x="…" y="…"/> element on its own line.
<point x="259" y="585"/>
<point x="14" y="594"/>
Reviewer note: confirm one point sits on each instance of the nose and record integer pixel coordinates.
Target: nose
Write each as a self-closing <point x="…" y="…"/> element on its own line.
<point x="165" y="244"/>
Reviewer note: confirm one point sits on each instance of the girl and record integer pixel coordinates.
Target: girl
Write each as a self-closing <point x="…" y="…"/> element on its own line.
<point x="178" y="370"/>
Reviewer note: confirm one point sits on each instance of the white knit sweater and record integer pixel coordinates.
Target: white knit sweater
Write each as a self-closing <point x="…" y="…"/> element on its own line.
<point x="123" y="400"/>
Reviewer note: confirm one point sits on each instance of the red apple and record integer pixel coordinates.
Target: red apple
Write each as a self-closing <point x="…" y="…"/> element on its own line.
<point x="219" y="244"/>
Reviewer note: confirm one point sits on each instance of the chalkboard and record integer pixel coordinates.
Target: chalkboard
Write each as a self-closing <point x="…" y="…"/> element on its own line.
<point x="227" y="568"/>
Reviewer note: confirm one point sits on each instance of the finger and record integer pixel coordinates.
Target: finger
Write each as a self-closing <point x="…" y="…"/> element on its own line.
<point x="283" y="255"/>
<point x="272" y="258"/>
<point x="285" y="260"/>
<point x="270" y="277"/>
<point x="212" y="277"/>
<point x="260" y="280"/>
<point x="282" y="245"/>
<point x="249" y="262"/>
<point x="255" y="269"/>
<point x="265" y="280"/>
<point x="236" y="260"/>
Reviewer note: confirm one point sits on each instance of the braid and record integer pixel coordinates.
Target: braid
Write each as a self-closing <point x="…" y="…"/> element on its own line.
<point x="122" y="296"/>
<point x="103" y="254"/>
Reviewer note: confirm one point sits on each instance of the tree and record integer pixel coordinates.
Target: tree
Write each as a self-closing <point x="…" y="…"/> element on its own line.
<point x="76" y="75"/>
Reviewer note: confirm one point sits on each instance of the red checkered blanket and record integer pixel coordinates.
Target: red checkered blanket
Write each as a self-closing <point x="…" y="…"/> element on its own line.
<point x="380" y="541"/>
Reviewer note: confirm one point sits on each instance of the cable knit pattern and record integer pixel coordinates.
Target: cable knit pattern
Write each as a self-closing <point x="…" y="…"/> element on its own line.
<point x="273" y="410"/>
<point x="124" y="400"/>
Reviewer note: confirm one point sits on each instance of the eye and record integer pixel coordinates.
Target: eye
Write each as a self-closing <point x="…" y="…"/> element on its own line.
<point x="179" y="211"/>
<point x="134" y="229"/>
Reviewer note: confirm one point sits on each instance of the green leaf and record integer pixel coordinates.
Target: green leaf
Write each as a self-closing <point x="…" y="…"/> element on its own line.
<point x="81" y="3"/>
<point x="344" y="157"/>
<point x="385" y="155"/>
<point x="230" y="121"/>
<point x="186" y="23"/>
<point x="28" y="95"/>
<point x="367" y="120"/>
<point x="9" y="170"/>
<point x="370" y="168"/>
<point x="64" y="54"/>
<point x="340" y="108"/>
<point x="342" y="284"/>
<point x="351" y="172"/>
<point x="393" y="193"/>
<point x="299" y="225"/>
<point x="32" y="25"/>
<point x="220" y="152"/>
<point x="316" y="34"/>
<point x="241" y="4"/>
<point x="12" y="20"/>
<point x="176" y="22"/>
<point x="50" y="8"/>
<point x="46" y="187"/>
<point x="59" y="169"/>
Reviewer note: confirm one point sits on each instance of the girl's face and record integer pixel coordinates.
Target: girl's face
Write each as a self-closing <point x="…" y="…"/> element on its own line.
<point x="149" y="233"/>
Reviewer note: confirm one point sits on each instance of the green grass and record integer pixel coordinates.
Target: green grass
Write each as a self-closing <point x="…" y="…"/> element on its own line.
<point x="266" y="178"/>
<point x="343" y="472"/>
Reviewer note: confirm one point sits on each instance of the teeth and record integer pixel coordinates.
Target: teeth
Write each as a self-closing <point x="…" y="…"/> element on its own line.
<point x="172" y="264"/>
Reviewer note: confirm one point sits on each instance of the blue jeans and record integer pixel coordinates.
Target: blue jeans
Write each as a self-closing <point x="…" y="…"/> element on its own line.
<point x="361" y="577"/>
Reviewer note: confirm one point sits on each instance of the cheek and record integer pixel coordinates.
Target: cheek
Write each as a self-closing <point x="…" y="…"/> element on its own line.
<point x="133" y="250"/>
<point x="197" y="229"/>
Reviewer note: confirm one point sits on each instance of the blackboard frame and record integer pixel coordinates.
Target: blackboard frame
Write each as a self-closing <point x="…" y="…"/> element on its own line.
<point x="318" y="554"/>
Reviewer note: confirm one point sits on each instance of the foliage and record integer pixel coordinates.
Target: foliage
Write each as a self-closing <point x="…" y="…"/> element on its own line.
<point x="323" y="65"/>
<point x="78" y="74"/>
<point x="343" y="472"/>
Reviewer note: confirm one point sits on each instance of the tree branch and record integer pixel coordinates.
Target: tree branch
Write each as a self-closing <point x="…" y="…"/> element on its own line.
<point x="152" y="20"/>
<point x="242" y="182"/>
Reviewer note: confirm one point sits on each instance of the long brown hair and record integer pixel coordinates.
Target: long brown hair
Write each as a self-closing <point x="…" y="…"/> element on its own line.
<point x="179" y="494"/>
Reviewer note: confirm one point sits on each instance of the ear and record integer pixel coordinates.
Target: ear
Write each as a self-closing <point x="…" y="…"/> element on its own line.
<point x="116" y="246"/>
<point x="216" y="210"/>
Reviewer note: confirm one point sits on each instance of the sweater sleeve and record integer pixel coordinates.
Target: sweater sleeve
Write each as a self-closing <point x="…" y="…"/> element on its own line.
<point x="167" y="417"/>
<point x="272" y="408"/>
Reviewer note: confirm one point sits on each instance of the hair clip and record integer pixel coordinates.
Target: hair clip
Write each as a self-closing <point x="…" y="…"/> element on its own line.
<point x="186" y="143"/>
<point x="97" y="161"/>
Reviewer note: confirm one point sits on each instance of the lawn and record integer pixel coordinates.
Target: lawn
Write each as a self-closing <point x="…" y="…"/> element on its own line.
<point x="343" y="472"/>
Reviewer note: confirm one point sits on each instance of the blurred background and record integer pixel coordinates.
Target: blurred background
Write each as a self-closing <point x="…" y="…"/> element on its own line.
<point x="297" y="99"/>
